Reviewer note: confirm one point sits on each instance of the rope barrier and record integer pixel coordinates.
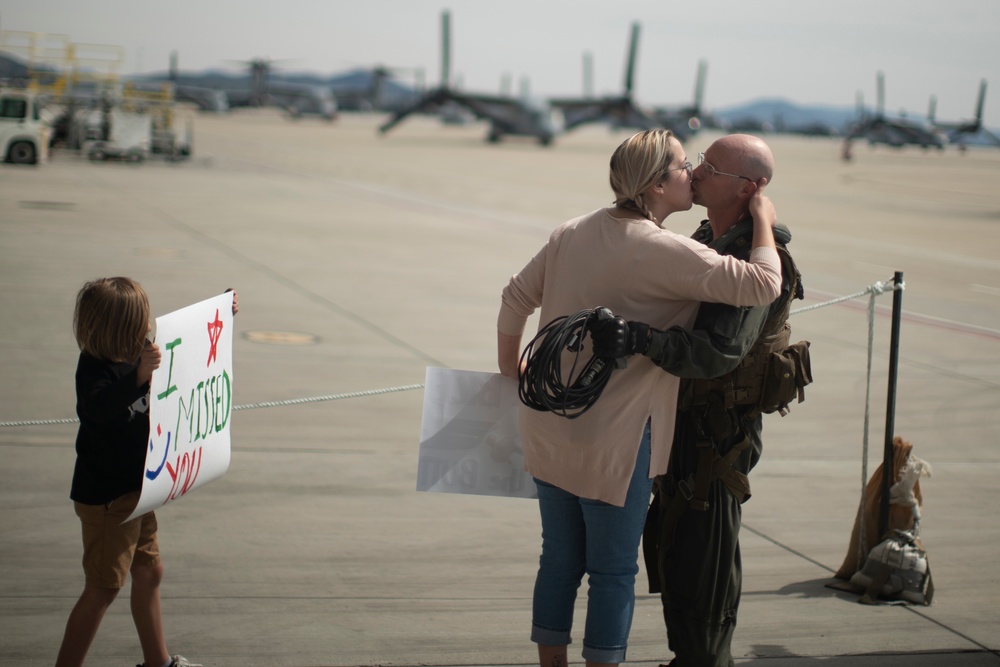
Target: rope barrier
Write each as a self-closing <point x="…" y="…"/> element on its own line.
<point x="331" y="397"/>
<point x="874" y="290"/>
<point x="40" y="422"/>
<point x="251" y="406"/>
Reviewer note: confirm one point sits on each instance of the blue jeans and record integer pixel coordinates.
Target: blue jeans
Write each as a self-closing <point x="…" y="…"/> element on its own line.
<point x="589" y="536"/>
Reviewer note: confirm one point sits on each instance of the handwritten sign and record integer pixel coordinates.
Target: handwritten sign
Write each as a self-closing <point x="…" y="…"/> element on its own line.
<point x="190" y="402"/>
<point x="469" y="442"/>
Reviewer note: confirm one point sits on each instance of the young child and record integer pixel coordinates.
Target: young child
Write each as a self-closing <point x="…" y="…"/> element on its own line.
<point x="111" y="322"/>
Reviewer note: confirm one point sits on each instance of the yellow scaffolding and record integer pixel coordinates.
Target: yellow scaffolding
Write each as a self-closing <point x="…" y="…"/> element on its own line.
<point x="43" y="53"/>
<point x="157" y="103"/>
<point x="56" y="65"/>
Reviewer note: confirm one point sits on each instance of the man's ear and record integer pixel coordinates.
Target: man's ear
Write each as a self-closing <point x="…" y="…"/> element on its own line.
<point x="751" y="187"/>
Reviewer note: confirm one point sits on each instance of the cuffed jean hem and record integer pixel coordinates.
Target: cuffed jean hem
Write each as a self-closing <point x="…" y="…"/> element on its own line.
<point x="547" y="637"/>
<point x="612" y="655"/>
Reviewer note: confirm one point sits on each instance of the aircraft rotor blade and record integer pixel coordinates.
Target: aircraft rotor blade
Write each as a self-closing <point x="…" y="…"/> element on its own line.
<point x="431" y="99"/>
<point x="992" y="136"/>
<point x="630" y="67"/>
<point x="595" y="114"/>
<point x="980" y="102"/>
<point x="395" y="120"/>
<point x="445" y="49"/>
<point x="478" y="107"/>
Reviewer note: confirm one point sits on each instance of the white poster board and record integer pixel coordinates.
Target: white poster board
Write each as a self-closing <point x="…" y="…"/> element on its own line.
<point x="190" y="402"/>
<point x="469" y="442"/>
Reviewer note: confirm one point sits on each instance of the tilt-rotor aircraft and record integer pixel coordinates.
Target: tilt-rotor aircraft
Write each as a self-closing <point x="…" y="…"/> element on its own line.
<point x="375" y="88"/>
<point x="958" y="132"/>
<point x="296" y="98"/>
<point x="895" y="132"/>
<point x="206" y="99"/>
<point x="621" y="111"/>
<point x="506" y="115"/>
<point x="218" y="91"/>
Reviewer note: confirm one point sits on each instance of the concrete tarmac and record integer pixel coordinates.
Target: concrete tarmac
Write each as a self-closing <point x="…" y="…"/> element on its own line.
<point x="360" y="260"/>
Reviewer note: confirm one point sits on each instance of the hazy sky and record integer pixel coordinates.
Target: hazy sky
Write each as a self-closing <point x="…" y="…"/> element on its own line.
<point x="807" y="51"/>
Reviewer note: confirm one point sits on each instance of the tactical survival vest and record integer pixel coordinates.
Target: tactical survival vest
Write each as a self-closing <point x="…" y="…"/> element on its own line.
<point x="772" y="373"/>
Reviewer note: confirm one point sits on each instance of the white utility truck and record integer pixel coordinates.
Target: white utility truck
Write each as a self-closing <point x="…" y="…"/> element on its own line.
<point x="24" y="136"/>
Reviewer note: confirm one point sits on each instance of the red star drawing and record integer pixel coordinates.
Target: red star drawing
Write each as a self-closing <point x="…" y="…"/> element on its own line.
<point x="214" y="334"/>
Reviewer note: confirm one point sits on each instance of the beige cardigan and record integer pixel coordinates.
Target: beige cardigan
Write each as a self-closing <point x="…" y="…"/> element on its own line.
<point x="641" y="272"/>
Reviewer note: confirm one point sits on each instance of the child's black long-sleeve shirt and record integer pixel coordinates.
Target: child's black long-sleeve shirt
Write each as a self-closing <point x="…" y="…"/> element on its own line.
<point x="114" y="431"/>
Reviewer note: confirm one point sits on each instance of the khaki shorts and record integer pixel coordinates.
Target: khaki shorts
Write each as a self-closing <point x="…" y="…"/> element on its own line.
<point x="111" y="548"/>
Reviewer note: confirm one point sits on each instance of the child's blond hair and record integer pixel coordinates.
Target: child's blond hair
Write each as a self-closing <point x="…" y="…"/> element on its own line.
<point x="111" y="319"/>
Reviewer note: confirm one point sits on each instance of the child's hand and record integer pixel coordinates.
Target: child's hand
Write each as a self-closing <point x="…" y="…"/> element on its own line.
<point x="149" y="361"/>
<point x="236" y="300"/>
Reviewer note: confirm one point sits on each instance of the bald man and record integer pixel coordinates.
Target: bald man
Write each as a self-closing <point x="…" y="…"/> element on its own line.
<point x="691" y="541"/>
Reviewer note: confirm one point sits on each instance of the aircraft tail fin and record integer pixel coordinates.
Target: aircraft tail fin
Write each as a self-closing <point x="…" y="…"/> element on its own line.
<point x="630" y="67"/>
<point x="699" y="85"/>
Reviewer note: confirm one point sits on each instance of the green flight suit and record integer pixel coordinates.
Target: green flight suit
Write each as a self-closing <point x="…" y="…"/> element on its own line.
<point x="696" y="567"/>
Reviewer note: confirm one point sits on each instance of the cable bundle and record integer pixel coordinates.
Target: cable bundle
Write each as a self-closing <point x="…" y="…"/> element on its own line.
<point x="540" y="382"/>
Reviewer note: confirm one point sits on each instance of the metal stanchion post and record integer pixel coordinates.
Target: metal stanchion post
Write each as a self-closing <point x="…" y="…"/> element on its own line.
<point x="890" y="410"/>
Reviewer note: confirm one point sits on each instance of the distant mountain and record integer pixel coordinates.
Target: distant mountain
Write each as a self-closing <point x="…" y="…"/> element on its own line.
<point x="212" y="78"/>
<point x="12" y="68"/>
<point x="15" y="70"/>
<point x="780" y="115"/>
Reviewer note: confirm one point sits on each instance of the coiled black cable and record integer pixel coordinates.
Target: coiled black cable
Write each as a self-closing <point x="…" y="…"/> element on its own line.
<point x="540" y="375"/>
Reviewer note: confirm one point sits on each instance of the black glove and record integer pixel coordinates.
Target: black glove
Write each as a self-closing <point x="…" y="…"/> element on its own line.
<point x="615" y="338"/>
